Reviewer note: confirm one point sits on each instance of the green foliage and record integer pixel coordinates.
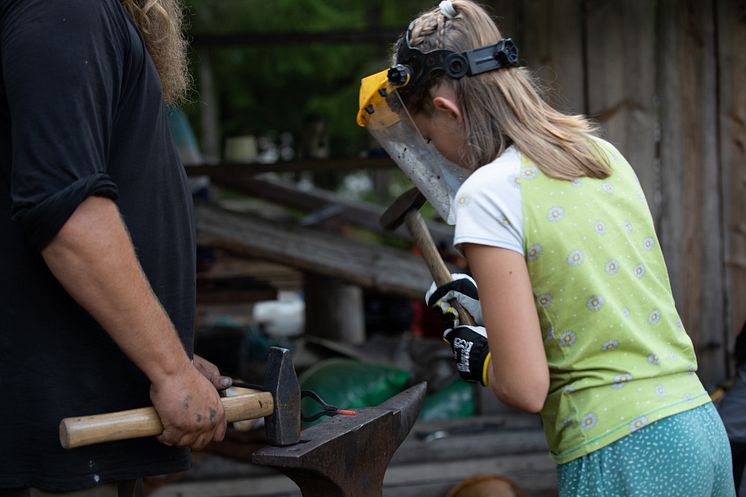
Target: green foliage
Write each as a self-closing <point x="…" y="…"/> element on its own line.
<point x="264" y="88"/>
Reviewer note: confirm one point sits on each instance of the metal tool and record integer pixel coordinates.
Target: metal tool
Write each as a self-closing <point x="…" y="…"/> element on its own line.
<point x="347" y="456"/>
<point x="279" y="405"/>
<point x="406" y="209"/>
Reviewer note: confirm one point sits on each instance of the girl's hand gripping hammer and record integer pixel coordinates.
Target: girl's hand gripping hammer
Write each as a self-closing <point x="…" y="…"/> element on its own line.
<point x="406" y="209"/>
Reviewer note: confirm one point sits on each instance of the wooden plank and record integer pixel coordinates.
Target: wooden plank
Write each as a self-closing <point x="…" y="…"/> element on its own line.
<point x="620" y="59"/>
<point x="731" y="29"/>
<point x="362" y="214"/>
<point x="552" y="44"/>
<point x="690" y="218"/>
<point x="297" y="166"/>
<point x="365" y="264"/>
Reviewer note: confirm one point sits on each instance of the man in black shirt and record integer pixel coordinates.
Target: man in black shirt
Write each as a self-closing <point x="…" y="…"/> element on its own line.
<point x="96" y="245"/>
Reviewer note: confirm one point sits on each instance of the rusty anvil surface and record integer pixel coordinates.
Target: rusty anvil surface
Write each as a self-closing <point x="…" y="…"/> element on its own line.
<point x="347" y="456"/>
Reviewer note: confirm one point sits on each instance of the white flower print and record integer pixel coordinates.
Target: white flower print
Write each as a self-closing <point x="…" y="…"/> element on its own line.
<point x="595" y="303"/>
<point x="610" y="345"/>
<point x="691" y="368"/>
<point x="621" y="379"/>
<point x="555" y="213"/>
<point x="513" y="179"/>
<point x="505" y="221"/>
<point x="627" y="226"/>
<point x="576" y="183"/>
<point x="588" y="421"/>
<point x="608" y="187"/>
<point x="660" y="390"/>
<point x="575" y="258"/>
<point x="600" y="227"/>
<point x="534" y="252"/>
<point x="638" y="423"/>
<point x="569" y="389"/>
<point x="654" y="359"/>
<point x="639" y="270"/>
<point x="545" y="300"/>
<point x="654" y="317"/>
<point x="550" y="334"/>
<point x="648" y="243"/>
<point x="626" y="312"/>
<point x="567" y="338"/>
<point x="612" y="267"/>
<point x="530" y="173"/>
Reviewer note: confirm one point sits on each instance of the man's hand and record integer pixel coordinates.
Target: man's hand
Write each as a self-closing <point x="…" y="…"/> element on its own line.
<point x="212" y="373"/>
<point x="471" y="351"/>
<point x="189" y="407"/>
<point x="463" y="289"/>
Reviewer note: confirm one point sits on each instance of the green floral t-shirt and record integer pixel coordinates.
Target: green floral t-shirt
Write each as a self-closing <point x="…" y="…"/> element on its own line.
<point x="618" y="355"/>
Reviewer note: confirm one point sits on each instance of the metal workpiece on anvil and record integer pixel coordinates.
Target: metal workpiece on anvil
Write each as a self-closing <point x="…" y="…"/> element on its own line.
<point x="347" y="456"/>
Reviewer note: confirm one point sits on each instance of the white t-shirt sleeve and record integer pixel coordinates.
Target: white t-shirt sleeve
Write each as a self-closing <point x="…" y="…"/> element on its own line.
<point x="488" y="207"/>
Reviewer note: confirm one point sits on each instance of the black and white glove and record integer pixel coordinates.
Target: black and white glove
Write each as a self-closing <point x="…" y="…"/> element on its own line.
<point x="463" y="289"/>
<point x="471" y="351"/>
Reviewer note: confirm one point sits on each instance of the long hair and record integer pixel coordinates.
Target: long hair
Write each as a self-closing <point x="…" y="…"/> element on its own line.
<point x="502" y="106"/>
<point x="160" y="22"/>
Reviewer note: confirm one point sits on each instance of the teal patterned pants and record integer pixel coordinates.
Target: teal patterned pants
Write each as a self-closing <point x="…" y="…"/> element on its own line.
<point x="684" y="455"/>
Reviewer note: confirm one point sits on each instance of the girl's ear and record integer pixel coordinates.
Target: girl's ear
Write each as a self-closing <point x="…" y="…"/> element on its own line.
<point x="448" y="106"/>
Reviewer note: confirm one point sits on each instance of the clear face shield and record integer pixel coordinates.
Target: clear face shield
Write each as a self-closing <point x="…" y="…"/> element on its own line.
<point x="383" y="112"/>
<point x="387" y="119"/>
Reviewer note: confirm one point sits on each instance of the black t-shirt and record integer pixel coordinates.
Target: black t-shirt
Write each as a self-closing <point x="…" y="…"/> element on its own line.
<point x="81" y="114"/>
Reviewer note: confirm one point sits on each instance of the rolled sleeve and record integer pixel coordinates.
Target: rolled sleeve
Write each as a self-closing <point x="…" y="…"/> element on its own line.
<point x="41" y="222"/>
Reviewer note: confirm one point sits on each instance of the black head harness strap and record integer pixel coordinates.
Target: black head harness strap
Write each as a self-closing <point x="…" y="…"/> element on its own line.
<point x="414" y="66"/>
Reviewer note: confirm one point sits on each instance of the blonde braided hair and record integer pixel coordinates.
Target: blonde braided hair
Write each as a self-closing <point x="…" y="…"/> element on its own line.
<point x="503" y="106"/>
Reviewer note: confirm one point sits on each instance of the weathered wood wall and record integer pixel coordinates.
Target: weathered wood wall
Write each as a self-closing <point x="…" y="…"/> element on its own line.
<point x="666" y="82"/>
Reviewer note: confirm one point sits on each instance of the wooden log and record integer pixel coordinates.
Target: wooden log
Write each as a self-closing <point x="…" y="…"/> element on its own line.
<point x="731" y="29"/>
<point x="334" y="309"/>
<point x="364" y="264"/>
<point x="690" y="231"/>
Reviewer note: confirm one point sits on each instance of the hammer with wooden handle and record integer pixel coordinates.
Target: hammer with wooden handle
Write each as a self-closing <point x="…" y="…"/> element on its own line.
<point x="279" y="405"/>
<point x="406" y="209"/>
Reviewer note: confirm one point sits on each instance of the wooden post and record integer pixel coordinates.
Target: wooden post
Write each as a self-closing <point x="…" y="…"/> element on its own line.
<point x="731" y="29"/>
<point x="334" y="309"/>
<point x="210" y="118"/>
<point x="691" y="232"/>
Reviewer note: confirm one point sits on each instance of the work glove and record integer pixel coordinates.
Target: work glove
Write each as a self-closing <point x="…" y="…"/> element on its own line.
<point x="471" y="351"/>
<point x="463" y="289"/>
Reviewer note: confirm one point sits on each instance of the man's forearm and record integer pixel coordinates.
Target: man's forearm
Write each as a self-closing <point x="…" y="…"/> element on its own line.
<point x="93" y="258"/>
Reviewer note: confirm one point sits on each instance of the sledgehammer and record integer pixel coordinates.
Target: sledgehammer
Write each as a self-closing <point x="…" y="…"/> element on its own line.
<point x="279" y="405"/>
<point x="406" y="209"/>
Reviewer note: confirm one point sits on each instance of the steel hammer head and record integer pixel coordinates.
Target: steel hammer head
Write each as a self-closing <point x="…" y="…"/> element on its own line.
<point x="394" y="216"/>
<point x="283" y="425"/>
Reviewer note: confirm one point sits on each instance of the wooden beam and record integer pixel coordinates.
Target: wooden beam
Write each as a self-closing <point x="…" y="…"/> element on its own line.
<point x="290" y="167"/>
<point x="362" y="214"/>
<point x="368" y="265"/>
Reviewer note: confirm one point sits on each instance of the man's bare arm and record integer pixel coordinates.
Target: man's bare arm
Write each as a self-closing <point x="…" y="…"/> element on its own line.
<point x="93" y="258"/>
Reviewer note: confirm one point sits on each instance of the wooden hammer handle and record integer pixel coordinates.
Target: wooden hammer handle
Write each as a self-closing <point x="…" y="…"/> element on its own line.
<point x="438" y="269"/>
<point x="144" y="422"/>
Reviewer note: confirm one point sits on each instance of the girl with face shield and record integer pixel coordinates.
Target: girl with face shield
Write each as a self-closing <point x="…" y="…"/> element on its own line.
<point x="578" y="322"/>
